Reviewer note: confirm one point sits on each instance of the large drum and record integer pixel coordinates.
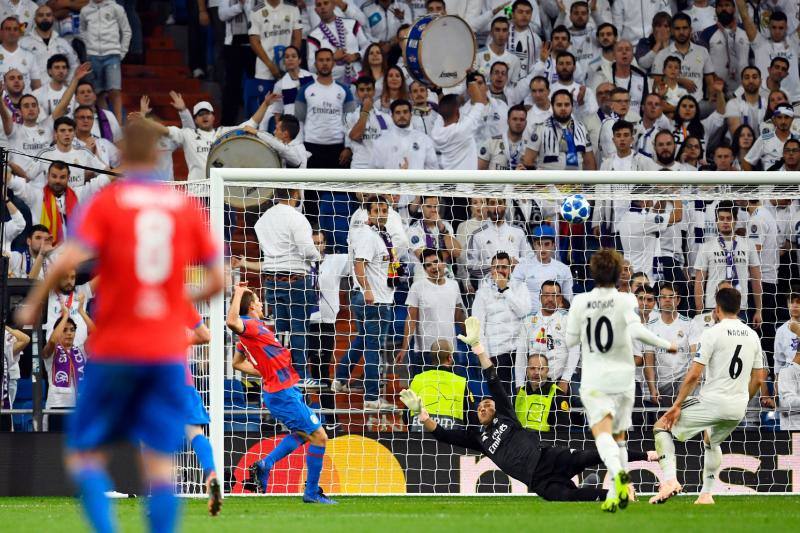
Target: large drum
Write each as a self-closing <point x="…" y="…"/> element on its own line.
<point x="440" y="50"/>
<point x="239" y="149"/>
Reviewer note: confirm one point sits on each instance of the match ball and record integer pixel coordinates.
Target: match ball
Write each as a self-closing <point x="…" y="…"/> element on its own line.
<point x="576" y="209"/>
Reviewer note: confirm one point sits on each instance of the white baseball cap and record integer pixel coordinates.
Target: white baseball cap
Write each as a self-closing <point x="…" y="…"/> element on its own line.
<point x="202" y="106"/>
<point x="785" y="110"/>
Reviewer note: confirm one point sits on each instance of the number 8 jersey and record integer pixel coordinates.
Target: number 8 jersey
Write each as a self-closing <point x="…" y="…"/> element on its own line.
<point x="729" y="350"/>
<point x="145" y="235"/>
<point x="603" y="321"/>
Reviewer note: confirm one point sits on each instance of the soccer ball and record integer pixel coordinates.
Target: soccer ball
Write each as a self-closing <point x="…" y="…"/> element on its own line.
<point x="576" y="209"/>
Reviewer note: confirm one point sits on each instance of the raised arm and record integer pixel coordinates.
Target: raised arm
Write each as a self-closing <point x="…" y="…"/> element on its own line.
<point x="233" y="320"/>
<point x="90" y="327"/>
<point x="63" y="104"/>
<point x="55" y="336"/>
<point x="21" y="340"/>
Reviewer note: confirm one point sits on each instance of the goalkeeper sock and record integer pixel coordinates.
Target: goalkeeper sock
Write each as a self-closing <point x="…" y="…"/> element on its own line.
<point x="287" y="445"/>
<point x="314" y="457"/>
<point x="202" y="449"/>
<point x="162" y="507"/>
<point x="711" y="463"/>
<point x="93" y="483"/>
<point x="666" y="453"/>
<point x="609" y="453"/>
<point x="623" y="454"/>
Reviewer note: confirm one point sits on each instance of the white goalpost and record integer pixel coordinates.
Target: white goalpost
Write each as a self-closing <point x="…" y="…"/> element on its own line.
<point x="381" y="452"/>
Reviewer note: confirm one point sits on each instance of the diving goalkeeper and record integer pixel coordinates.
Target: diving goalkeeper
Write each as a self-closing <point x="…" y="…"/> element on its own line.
<point x="546" y="470"/>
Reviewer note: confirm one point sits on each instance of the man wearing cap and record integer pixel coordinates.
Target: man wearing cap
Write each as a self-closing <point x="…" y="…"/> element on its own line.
<point x="540" y="266"/>
<point x="196" y="142"/>
<point x="768" y="148"/>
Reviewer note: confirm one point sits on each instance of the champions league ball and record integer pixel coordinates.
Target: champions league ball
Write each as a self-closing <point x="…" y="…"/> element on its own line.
<point x="576" y="209"/>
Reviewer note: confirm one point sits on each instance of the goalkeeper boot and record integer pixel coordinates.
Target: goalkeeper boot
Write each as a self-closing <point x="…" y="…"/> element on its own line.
<point x="667" y="490"/>
<point x="622" y="482"/>
<point x="214" y="495"/>
<point x="259" y="473"/>
<point x="610" y="505"/>
<point x="319" y="497"/>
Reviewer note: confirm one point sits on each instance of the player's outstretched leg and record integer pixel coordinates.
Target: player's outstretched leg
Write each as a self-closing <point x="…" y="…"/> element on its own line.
<point x="88" y="472"/>
<point x="205" y="456"/>
<point x="625" y="492"/>
<point x="314" y="459"/>
<point x="712" y="461"/>
<point x="609" y="452"/>
<point x="259" y="471"/>
<point x="666" y="458"/>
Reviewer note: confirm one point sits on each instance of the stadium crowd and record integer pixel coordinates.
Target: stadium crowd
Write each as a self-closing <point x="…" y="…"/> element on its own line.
<point x="557" y="84"/>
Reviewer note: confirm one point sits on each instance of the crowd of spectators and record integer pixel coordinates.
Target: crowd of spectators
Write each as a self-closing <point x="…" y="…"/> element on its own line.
<point x="557" y="84"/>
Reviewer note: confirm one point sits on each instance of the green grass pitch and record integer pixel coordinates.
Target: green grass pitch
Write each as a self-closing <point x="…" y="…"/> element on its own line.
<point x="422" y="514"/>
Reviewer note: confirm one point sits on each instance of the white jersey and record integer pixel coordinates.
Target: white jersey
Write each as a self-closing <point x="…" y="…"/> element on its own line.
<point x="671" y="367"/>
<point x="762" y="230"/>
<point x="49" y="98"/>
<point x="75" y="155"/>
<point x="602" y="321"/>
<point x="21" y="60"/>
<point x="367" y="244"/>
<point x="546" y="335"/>
<point x="322" y="108"/>
<point x="274" y="27"/>
<point x="486" y="57"/>
<point x="729" y="351"/>
<point x="726" y="260"/>
<point x="437" y="304"/>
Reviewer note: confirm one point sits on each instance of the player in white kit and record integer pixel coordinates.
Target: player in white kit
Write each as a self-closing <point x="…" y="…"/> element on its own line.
<point x="603" y="321"/>
<point x="730" y="354"/>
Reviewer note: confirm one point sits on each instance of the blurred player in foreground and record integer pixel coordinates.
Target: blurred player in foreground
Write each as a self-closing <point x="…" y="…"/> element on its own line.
<point x="143" y="236"/>
<point x="516" y="451"/>
<point x="730" y="354"/>
<point x="259" y="353"/>
<point x="604" y="321"/>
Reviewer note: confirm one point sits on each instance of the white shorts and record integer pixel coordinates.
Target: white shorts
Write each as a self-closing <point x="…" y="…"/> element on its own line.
<point x="698" y="416"/>
<point x="599" y="404"/>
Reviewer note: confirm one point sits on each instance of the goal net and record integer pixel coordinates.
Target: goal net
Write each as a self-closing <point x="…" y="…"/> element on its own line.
<point x="439" y="245"/>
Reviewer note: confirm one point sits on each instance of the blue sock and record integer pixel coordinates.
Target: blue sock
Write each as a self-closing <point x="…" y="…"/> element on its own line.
<point x="314" y="456"/>
<point x="286" y="446"/>
<point x="163" y="507"/>
<point x="202" y="449"/>
<point x="93" y="482"/>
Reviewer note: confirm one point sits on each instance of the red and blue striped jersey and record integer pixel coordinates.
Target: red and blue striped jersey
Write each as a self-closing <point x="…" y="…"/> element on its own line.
<point x="267" y="355"/>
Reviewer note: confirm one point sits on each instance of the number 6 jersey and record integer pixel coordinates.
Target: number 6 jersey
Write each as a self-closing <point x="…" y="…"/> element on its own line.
<point x="144" y="236"/>
<point x="604" y="321"/>
<point x="729" y="350"/>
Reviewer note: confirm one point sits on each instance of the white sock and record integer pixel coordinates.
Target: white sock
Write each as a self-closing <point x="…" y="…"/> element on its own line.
<point x="711" y="463"/>
<point x="666" y="453"/>
<point x="623" y="454"/>
<point x="609" y="453"/>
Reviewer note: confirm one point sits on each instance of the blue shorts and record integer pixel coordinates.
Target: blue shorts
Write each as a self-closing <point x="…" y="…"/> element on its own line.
<point x="106" y="73"/>
<point x="289" y="407"/>
<point x="144" y="403"/>
<point x="197" y="414"/>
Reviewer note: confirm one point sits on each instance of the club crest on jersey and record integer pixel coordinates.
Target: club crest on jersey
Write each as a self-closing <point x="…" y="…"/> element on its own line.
<point x="680" y="333"/>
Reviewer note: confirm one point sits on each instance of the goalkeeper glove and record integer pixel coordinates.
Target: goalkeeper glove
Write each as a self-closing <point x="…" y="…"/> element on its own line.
<point x="411" y="400"/>
<point x="473" y="332"/>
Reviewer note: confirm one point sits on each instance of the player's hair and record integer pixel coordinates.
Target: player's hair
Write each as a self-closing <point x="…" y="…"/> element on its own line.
<point x="83" y="108"/>
<point x="37" y="227"/>
<point x="248" y="297"/>
<point x="726" y="206"/>
<point x="619" y="90"/>
<point x="669" y="286"/>
<point x="365" y="79"/>
<point x="564" y="53"/>
<point x="725" y="145"/>
<point x="562" y="29"/>
<point x="59" y="165"/>
<point x="448" y="106"/>
<point x="793" y="297"/>
<point x="140" y="143"/>
<point x="622" y="124"/>
<point x="605" y="266"/>
<point x="28" y="95"/>
<point x="321" y="50"/>
<point x="543" y="357"/>
<point x="647" y="289"/>
<point x="640" y="274"/>
<point x="518" y="3"/>
<point x="502" y="20"/>
<point x="672" y="59"/>
<point x="429" y="2"/>
<point x="442" y="352"/>
<point x="56" y="58"/>
<point x="751" y="67"/>
<point x="283" y="194"/>
<point x="550" y="283"/>
<point x="681" y="16"/>
<point x="427" y="252"/>
<point x="562" y="92"/>
<point x="63" y="120"/>
<point x="663" y="132"/>
<point x="12" y="17"/>
<point x="778" y="16"/>
<point x="289" y="124"/>
<point x="82" y="83"/>
<point x="499" y="256"/>
<point x="579" y="3"/>
<point x="793" y="141"/>
<point x="399" y="103"/>
<point x="402" y="27"/>
<point x="729" y="300"/>
<point x="518" y="107"/>
<point x="69" y="321"/>
<point x="541" y="78"/>
<point x="607" y="25"/>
